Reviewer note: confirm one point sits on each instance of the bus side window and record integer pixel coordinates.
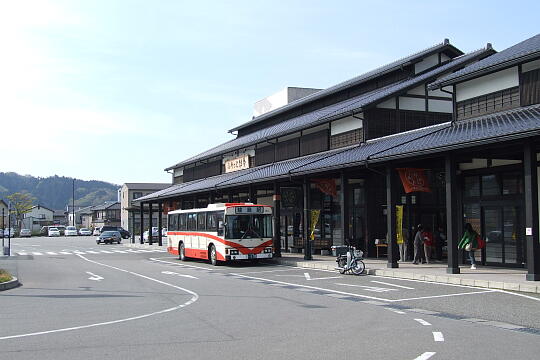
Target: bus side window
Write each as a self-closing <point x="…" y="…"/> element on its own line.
<point x="192" y="222"/>
<point x="220" y="224"/>
<point x="182" y="222"/>
<point x="211" y="221"/>
<point x="201" y="221"/>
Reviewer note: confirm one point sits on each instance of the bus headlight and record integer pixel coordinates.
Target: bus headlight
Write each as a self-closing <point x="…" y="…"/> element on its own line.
<point x="233" y="252"/>
<point x="268" y="250"/>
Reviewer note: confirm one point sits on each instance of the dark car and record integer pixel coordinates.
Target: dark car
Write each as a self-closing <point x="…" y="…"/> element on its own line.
<point x="123" y="232"/>
<point x="108" y="237"/>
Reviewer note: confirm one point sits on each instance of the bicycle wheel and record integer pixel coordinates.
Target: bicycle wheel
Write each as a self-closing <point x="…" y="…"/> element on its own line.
<point x="342" y="262"/>
<point x="358" y="267"/>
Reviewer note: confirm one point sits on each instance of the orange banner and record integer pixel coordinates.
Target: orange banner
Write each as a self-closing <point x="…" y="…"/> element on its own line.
<point x="414" y="180"/>
<point x="327" y="186"/>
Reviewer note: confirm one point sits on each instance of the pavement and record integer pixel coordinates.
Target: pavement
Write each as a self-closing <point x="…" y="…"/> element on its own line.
<point x="483" y="277"/>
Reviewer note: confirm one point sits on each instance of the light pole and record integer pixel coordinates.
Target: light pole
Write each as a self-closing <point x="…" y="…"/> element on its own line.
<point x="73" y="204"/>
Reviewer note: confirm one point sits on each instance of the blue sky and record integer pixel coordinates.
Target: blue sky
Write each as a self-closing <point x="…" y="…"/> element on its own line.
<point x="120" y="90"/>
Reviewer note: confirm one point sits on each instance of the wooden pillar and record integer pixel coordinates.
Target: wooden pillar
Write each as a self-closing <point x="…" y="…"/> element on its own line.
<point x="277" y="220"/>
<point x="307" y="215"/>
<point x="133" y="226"/>
<point x="211" y="197"/>
<point x="344" y="203"/>
<point x="531" y="211"/>
<point x="391" y="197"/>
<point x="142" y="224"/>
<point x="160" y="223"/>
<point x="150" y="223"/>
<point x="452" y="215"/>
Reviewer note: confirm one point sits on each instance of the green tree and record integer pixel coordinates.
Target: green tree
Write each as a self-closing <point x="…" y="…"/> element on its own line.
<point x="21" y="203"/>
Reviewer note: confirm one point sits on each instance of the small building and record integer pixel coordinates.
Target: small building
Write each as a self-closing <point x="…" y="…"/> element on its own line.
<point x="106" y="214"/>
<point x="37" y="217"/>
<point x="130" y="218"/>
<point x="80" y="213"/>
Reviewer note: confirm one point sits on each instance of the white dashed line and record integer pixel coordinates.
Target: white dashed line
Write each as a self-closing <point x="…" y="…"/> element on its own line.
<point x="37" y="253"/>
<point x="65" y="253"/>
<point x="397" y="311"/>
<point x="51" y="253"/>
<point x="423" y="322"/>
<point x="438" y="336"/>
<point x="389" y="284"/>
<point x="425" y="356"/>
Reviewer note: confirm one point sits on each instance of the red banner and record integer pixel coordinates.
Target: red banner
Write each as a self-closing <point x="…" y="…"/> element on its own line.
<point x="414" y="180"/>
<point x="327" y="186"/>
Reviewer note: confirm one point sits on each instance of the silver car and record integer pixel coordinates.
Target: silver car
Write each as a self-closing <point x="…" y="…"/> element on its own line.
<point x="25" y="233"/>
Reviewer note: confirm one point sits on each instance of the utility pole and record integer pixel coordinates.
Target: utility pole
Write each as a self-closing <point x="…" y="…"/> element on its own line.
<point x="73" y="203"/>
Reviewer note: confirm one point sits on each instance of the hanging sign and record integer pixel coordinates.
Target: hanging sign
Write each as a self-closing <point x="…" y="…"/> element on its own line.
<point x="414" y="180"/>
<point x="399" y="224"/>
<point x="326" y="186"/>
<point x="238" y="163"/>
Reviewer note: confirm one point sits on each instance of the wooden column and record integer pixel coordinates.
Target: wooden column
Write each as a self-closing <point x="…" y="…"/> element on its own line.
<point x="452" y="215"/>
<point x="391" y="197"/>
<point x="531" y="211"/>
<point x="160" y="223"/>
<point x="277" y="220"/>
<point x="344" y="203"/>
<point x="307" y="215"/>
<point x="150" y="224"/>
<point x="142" y="224"/>
<point x="132" y="226"/>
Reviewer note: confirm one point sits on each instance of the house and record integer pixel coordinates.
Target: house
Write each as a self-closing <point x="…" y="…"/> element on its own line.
<point x="129" y="192"/>
<point x="37" y="217"/>
<point x="107" y="213"/>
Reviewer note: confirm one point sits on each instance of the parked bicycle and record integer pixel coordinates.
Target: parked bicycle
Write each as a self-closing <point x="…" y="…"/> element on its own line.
<point x="351" y="262"/>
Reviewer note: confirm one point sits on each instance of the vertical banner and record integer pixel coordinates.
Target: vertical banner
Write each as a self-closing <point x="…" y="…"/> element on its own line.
<point x="414" y="180"/>
<point x="399" y="224"/>
<point x="314" y="220"/>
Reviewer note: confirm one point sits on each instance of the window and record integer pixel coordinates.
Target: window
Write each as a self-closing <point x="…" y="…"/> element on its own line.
<point x="471" y="186"/>
<point x="201" y="221"/>
<point x="211" y="221"/>
<point x="182" y="222"/>
<point x="173" y="222"/>
<point x="490" y="185"/>
<point x="137" y="195"/>
<point x="512" y="184"/>
<point x="192" y="222"/>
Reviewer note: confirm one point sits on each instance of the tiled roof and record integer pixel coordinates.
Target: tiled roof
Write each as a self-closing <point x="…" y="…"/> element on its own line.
<point x="338" y="110"/>
<point x="493" y="128"/>
<point x="525" y="50"/>
<point x="411" y="59"/>
<point x="107" y="205"/>
<point x="147" y="186"/>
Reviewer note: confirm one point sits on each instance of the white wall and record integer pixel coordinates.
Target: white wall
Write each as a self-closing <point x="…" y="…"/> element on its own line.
<point x="426" y="63"/>
<point x="420" y="90"/>
<point x="500" y="80"/>
<point x="346" y="124"/>
<point x="37" y="213"/>
<point x="412" y="104"/>
<point x="388" y="104"/>
<point x="440" y="106"/>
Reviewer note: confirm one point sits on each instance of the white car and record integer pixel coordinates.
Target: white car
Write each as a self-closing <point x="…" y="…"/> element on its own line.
<point x="85" y="232"/>
<point x="25" y="233"/>
<point x="54" y="232"/>
<point x="96" y="232"/>
<point x="9" y="232"/>
<point x="154" y="234"/>
<point x="70" y="231"/>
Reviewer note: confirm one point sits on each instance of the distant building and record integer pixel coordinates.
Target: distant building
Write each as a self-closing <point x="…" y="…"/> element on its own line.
<point x="60" y="217"/>
<point x="81" y="214"/>
<point x="106" y="214"/>
<point x="130" y="216"/>
<point x="37" y="217"/>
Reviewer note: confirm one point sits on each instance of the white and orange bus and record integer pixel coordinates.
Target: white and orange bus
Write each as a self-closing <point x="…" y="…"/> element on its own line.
<point x="221" y="232"/>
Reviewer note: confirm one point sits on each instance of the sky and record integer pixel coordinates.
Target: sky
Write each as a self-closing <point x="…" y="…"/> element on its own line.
<point x="120" y="90"/>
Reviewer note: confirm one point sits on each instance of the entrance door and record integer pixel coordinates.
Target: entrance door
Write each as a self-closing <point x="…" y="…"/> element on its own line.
<point x="500" y="228"/>
<point x="357" y="216"/>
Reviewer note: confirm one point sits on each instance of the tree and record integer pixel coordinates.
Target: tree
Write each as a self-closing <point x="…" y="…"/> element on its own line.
<point x="21" y="203"/>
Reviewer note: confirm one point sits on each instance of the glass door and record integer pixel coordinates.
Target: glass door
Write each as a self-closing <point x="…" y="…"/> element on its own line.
<point x="493" y="234"/>
<point x="504" y="243"/>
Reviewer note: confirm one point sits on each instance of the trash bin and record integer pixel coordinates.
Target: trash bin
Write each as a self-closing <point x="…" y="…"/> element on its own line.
<point x="339" y="250"/>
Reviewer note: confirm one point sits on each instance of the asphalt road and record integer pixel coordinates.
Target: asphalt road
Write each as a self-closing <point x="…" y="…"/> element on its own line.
<point x="84" y="301"/>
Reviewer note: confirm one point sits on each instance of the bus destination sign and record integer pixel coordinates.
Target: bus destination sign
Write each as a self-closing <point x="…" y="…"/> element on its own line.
<point x="249" y="210"/>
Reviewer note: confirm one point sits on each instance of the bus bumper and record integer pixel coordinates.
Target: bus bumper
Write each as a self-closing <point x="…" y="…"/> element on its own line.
<point x="249" y="256"/>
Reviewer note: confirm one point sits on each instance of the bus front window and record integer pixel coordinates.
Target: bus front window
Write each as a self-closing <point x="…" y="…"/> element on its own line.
<point x="248" y="226"/>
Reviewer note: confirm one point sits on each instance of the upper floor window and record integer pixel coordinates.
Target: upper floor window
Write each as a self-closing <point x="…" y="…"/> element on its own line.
<point x="137" y="195"/>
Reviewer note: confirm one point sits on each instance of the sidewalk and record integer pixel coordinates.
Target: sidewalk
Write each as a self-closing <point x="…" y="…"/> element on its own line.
<point x="484" y="277"/>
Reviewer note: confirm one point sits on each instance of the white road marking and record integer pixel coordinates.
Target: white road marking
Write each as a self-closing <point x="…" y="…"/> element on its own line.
<point x="425" y="356"/>
<point x="94" y="276"/>
<point x="119" y="251"/>
<point x="397" y="311"/>
<point x="446" y="295"/>
<point x="91" y="252"/>
<point x="368" y="288"/>
<point x="423" y="322"/>
<point x="307" y="276"/>
<point x="194" y="298"/>
<point x="51" y="253"/>
<point x="65" y="253"/>
<point x="438" y="336"/>
<point x="389" y="284"/>
<point x="37" y="253"/>
<point x="184" y="265"/>
<point x="177" y="274"/>
<point x="106" y="252"/>
<point x="22" y="253"/>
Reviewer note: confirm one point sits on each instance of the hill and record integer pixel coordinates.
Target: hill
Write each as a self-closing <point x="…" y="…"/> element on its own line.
<point x="55" y="192"/>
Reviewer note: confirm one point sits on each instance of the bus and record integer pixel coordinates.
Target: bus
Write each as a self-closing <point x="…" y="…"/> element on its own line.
<point x="221" y="232"/>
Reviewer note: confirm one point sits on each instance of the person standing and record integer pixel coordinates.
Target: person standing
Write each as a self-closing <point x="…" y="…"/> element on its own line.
<point x="427" y="236"/>
<point x="418" y="245"/>
<point x="469" y="243"/>
<point x="402" y="244"/>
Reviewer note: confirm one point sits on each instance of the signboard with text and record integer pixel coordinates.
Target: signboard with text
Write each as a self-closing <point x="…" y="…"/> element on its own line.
<point x="238" y="163"/>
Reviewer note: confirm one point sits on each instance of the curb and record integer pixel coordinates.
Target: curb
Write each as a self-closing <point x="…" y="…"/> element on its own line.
<point x="10" y="284"/>
<point x="443" y="279"/>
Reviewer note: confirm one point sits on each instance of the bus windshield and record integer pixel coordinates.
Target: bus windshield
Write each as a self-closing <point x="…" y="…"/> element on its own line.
<point x="248" y="226"/>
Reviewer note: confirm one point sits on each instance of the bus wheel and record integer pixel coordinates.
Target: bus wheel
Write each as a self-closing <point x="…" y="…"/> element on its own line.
<point x="213" y="255"/>
<point x="181" y="252"/>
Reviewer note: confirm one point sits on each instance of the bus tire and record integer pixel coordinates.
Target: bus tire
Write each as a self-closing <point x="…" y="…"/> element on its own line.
<point x="212" y="255"/>
<point x="181" y="252"/>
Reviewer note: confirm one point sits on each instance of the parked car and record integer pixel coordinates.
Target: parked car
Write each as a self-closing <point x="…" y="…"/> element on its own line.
<point x="25" y="233"/>
<point x="123" y="232"/>
<point x="85" y="232"/>
<point x="71" y="231"/>
<point x="108" y="237"/>
<point x="96" y="232"/>
<point x="9" y="232"/>
<point x="54" y="231"/>
<point x="45" y="229"/>
<point x="154" y="234"/>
